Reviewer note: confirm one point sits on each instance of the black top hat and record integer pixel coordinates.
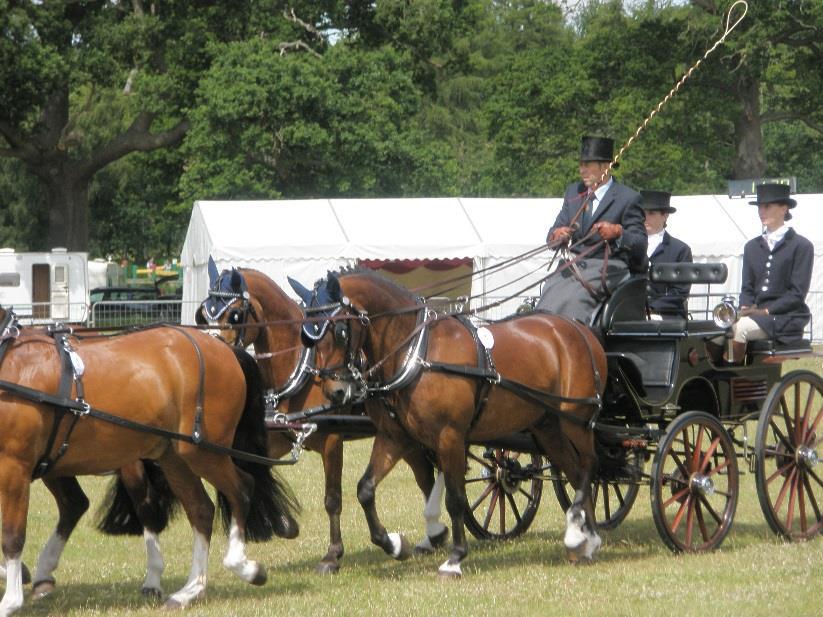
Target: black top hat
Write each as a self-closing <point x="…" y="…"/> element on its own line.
<point x="774" y="193"/>
<point x="596" y="149"/>
<point x="657" y="200"/>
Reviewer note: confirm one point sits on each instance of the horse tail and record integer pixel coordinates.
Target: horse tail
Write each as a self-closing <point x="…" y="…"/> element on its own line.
<point x="273" y="505"/>
<point x="157" y="508"/>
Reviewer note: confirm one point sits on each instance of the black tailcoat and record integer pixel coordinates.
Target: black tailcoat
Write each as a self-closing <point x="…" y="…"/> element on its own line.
<point x="778" y="280"/>
<point x="619" y="205"/>
<point x="669" y="299"/>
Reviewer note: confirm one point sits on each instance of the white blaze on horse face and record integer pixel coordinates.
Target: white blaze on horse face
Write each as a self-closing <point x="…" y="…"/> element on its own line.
<point x="49" y="558"/>
<point x="13" y="598"/>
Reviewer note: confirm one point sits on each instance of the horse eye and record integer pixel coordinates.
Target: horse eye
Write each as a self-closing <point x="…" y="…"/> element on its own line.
<point x="234" y="317"/>
<point x="341" y="333"/>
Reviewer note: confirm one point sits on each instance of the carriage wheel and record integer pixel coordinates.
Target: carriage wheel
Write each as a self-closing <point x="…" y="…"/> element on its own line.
<point x="789" y="479"/>
<point x="694" y="483"/>
<point x="613" y="497"/>
<point x="503" y="488"/>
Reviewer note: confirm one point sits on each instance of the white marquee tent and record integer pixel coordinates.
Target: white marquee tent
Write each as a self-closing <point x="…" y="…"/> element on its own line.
<point x="305" y="238"/>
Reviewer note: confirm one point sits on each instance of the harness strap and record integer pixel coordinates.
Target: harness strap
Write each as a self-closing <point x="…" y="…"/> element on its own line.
<point x="85" y="410"/>
<point x="545" y="399"/>
<point x="197" y="429"/>
<point x="68" y="375"/>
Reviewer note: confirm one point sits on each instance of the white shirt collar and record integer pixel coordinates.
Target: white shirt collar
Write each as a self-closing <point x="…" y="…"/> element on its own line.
<point x="654" y="241"/>
<point x="600" y="192"/>
<point x="773" y="237"/>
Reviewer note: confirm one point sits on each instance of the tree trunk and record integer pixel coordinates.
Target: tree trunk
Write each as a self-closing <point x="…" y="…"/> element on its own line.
<point x="68" y="214"/>
<point x="748" y="129"/>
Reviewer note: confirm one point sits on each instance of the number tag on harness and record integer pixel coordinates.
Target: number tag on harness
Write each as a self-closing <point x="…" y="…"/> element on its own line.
<point x="485" y="337"/>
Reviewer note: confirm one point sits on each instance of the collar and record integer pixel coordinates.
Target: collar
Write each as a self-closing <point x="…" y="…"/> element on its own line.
<point x="655" y="240"/>
<point x="601" y="190"/>
<point x="773" y="237"/>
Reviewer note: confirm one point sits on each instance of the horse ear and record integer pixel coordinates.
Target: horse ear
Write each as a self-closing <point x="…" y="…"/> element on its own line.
<point x="333" y="288"/>
<point x="236" y="280"/>
<point x="305" y="294"/>
<point x="213" y="273"/>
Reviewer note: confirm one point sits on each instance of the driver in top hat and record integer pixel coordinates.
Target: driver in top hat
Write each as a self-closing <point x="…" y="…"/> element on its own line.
<point x="665" y="300"/>
<point x="777" y="274"/>
<point x="596" y="209"/>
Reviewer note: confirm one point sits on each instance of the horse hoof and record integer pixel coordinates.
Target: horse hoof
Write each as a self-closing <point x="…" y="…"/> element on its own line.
<point x="449" y="571"/>
<point x="173" y="605"/>
<point x="260" y="578"/>
<point x="151" y="592"/>
<point x="327" y="567"/>
<point x="432" y="543"/>
<point x="41" y="589"/>
<point x="26" y="574"/>
<point x="286" y="527"/>
<point x="406" y="549"/>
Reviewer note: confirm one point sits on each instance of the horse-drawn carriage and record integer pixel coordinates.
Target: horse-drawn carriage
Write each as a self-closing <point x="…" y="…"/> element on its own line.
<point x="670" y="401"/>
<point x="662" y="397"/>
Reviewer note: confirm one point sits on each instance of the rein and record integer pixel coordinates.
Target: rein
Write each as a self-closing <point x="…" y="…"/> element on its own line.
<point x="80" y="408"/>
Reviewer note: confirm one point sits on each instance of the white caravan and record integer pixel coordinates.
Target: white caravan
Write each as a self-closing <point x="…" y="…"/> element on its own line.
<point x="45" y="287"/>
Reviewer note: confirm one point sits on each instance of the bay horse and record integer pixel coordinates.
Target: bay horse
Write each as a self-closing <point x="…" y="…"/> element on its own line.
<point x="71" y="406"/>
<point x="446" y="386"/>
<point x="261" y="314"/>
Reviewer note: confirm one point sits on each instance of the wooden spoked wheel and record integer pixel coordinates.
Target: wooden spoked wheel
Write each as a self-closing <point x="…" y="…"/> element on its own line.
<point x="503" y="488"/>
<point x="694" y="483"/>
<point x="613" y="497"/>
<point x="788" y="473"/>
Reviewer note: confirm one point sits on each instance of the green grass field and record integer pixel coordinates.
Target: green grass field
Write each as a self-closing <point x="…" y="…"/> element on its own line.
<point x="753" y="573"/>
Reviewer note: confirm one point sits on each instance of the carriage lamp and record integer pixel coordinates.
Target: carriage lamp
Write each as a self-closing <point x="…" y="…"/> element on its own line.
<point x="725" y="313"/>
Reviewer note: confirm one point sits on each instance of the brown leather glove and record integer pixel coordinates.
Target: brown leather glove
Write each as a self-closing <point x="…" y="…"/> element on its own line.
<point x="608" y="231"/>
<point x="561" y="234"/>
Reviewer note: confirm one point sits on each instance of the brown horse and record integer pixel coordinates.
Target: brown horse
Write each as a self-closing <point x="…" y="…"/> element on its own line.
<point x="178" y="397"/>
<point x="543" y="374"/>
<point x="261" y="314"/>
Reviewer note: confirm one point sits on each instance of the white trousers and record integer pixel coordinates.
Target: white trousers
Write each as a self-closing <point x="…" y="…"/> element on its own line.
<point x="746" y="329"/>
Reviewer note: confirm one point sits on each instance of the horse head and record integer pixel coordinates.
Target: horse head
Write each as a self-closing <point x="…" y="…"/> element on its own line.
<point x="229" y="308"/>
<point x="338" y="330"/>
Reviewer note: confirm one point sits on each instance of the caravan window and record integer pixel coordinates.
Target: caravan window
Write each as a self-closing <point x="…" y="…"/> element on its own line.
<point x="60" y="274"/>
<point x="9" y="279"/>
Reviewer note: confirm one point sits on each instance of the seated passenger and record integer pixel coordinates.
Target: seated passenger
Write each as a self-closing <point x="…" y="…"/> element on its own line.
<point x="665" y="300"/>
<point x="777" y="272"/>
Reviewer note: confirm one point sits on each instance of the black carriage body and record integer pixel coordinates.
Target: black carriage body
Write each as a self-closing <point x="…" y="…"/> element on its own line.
<point x="659" y="369"/>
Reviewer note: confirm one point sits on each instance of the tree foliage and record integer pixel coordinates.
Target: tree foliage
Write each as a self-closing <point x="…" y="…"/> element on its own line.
<point x="115" y="116"/>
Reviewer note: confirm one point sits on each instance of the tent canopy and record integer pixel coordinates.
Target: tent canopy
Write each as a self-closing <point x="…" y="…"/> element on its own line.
<point x="305" y="238"/>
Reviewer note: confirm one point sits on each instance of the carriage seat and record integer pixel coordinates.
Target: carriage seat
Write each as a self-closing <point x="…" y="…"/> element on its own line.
<point x="646" y="327"/>
<point x="692" y="273"/>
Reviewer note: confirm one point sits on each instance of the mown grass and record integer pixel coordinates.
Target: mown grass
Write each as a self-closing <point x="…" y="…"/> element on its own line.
<point x="753" y="574"/>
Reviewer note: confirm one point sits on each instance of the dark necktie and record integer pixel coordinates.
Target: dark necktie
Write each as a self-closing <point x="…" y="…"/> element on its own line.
<point x="589" y="211"/>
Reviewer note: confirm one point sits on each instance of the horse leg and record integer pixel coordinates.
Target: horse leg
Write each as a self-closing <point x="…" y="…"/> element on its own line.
<point x="72" y="503"/>
<point x="236" y="486"/>
<point x="137" y="485"/>
<point x="452" y="457"/>
<point x="332" y="453"/>
<point x="200" y="511"/>
<point x="436" y="532"/>
<point x="571" y="448"/>
<point x="15" y="484"/>
<point x="384" y="455"/>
